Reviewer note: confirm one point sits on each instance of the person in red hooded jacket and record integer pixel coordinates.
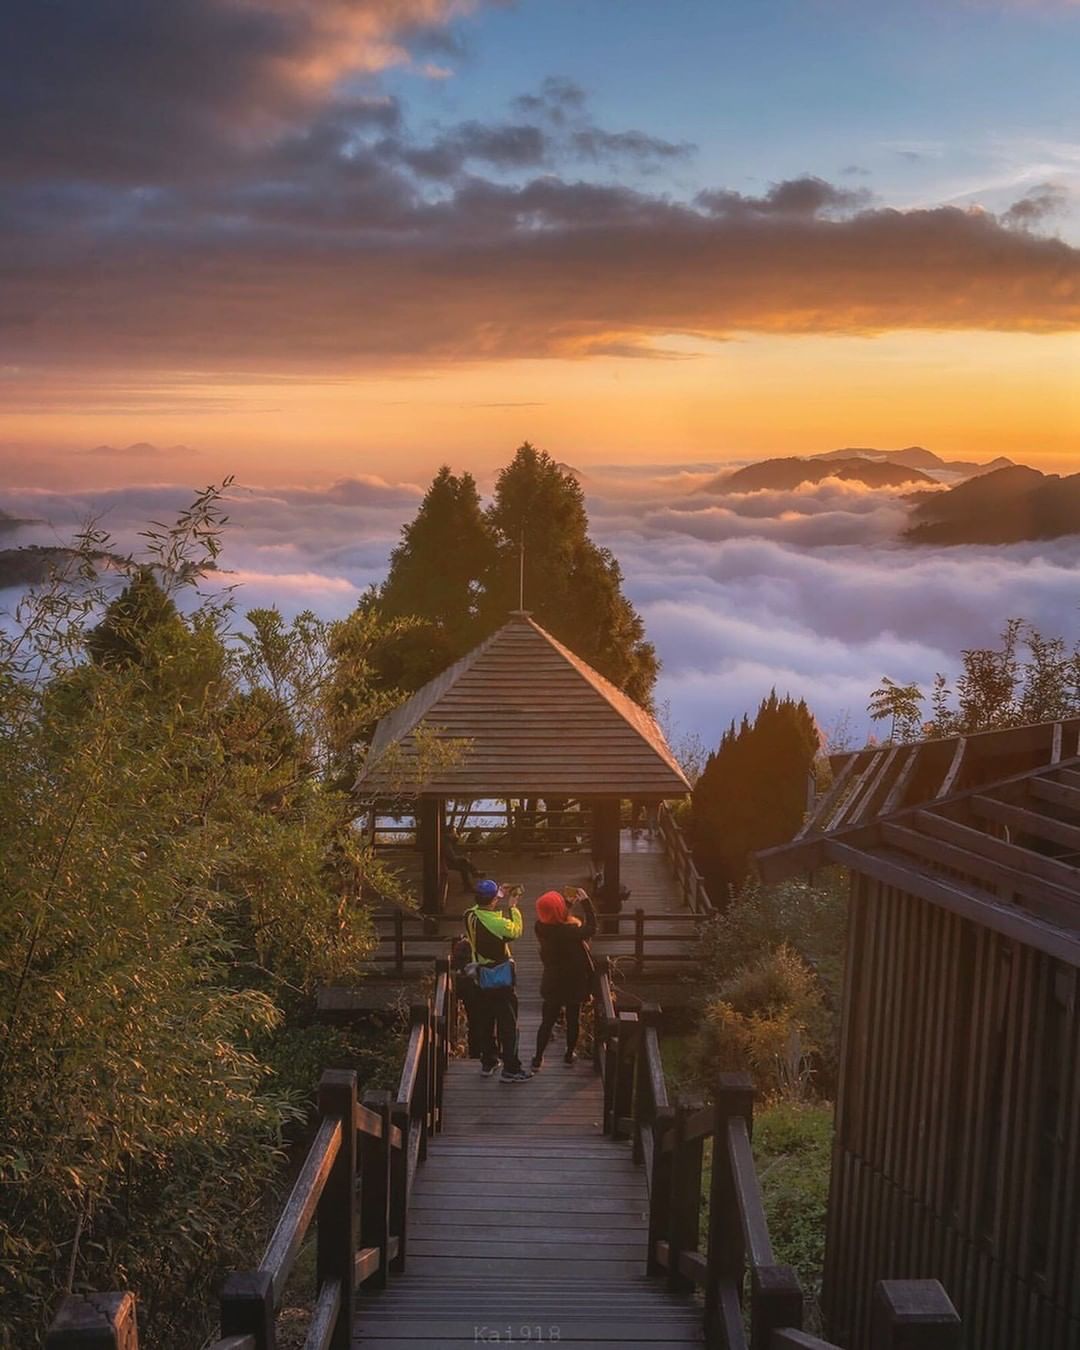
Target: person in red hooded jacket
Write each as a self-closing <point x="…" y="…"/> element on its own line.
<point x="568" y="966"/>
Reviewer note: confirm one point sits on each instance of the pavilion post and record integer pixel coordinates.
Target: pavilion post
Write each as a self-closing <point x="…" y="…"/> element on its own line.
<point x="606" y="812"/>
<point x="430" y="837"/>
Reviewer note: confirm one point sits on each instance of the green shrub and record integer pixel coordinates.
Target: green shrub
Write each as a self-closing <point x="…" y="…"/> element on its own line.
<point x="763" y="1019"/>
<point x="793" y="1152"/>
<point x="810" y="921"/>
<point x="299" y="1054"/>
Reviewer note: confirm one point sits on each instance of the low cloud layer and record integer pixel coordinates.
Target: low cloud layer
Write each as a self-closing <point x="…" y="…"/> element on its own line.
<point x="807" y="591"/>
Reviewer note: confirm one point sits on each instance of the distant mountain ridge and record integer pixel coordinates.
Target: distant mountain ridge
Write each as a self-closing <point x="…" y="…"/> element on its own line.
<point x="918" y="457"/>
<point x="10" y="522"/>
<point x="952" y="501"/>
<point x="786" y="474"/>
<point x="1007" y="506"/>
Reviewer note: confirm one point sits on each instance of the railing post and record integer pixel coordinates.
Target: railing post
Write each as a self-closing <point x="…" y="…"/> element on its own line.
<point x="247" y="1307"/>
<point x="375" y="1188"/>
<point x="649" y="1016"/>
<point x="734" y="1097"/>
<point x="623" y="1093"/>
<point x="442" y="1038"/>
<point x="600" y="1029"/>
<point x="611" y="1071"/>
<point x="420" y="1016"/>
<point x="685" y="1195"/>
<point x="94" y="1322"/>
<point x="639" y="941"/>
<point x="660" y="1194"/>
<point x="776" y="1302"/>
<point x="335" y="1218"/>
<point x="914" y="1315"/>
<point x="399" y="1185"/>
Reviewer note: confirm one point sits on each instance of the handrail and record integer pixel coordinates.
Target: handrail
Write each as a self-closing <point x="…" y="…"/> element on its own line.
<point x="669" y="1140"/>
<point x="284" y="1245"/>
<point x="379" y="1142"/>
<point x="694" y="894"/>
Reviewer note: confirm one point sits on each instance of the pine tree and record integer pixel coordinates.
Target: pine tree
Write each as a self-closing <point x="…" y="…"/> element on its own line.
<point x="572" y="586"/>
<point x="436" y="570"/>
<point x="752" y="792"/>
<point x="133" y="623"/>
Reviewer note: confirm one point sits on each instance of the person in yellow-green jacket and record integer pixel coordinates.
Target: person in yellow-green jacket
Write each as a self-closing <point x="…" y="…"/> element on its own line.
<point x="495" y="1007"/>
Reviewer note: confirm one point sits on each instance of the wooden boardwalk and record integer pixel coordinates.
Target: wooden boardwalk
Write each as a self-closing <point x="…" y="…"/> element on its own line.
<point x="645" y="871"/>
<point x="526" y="1224"/>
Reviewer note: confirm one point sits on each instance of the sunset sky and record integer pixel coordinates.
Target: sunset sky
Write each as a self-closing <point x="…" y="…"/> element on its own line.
<point x="303" y="241"/>
<point x="327" y="246"/>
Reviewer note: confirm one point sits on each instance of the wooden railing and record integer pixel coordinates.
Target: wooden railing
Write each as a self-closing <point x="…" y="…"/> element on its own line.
<point x="496" y="827"/>
<point x="380" y="1141"/>
<point x="691" y="886"/>
<point x="659" y="939"/>
<point x="742" y="1284"/>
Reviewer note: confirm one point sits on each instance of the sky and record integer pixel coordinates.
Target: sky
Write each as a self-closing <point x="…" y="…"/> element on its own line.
<point x="305" y="240"/>
<point x="325" y="247"/>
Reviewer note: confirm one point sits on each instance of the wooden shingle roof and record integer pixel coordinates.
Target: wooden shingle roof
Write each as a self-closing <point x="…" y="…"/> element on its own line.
<point x="532" y="719"/>
<point x="1003" y="854"/>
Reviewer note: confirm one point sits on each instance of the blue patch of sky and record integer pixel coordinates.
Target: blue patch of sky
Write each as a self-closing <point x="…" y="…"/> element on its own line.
<point x="939" y="101"/>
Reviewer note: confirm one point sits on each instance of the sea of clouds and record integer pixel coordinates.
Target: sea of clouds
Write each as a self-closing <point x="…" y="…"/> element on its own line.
<point x="809" y="591"/>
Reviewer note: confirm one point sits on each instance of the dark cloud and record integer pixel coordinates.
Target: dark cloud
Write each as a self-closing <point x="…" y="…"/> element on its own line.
<point x="197" y="186"/>
<point x="1041" y="203"/>
<point x="594" y="143"/>
<point x="559" y="100"/>
<point x="505" y="147"/>
<point x="795" y="197"/>
<point x="343" y="263"/>
<point x="125" y="91"/>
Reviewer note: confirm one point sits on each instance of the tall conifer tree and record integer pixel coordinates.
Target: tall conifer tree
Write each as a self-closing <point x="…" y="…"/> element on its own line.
<point x="752" y="792"/>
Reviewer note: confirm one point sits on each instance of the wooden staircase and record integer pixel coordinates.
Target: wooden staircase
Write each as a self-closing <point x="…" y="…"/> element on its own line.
<point x="526" y="1224"/>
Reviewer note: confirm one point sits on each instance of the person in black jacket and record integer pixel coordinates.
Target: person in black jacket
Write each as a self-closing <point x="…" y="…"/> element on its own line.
<point x="568" y="966"/>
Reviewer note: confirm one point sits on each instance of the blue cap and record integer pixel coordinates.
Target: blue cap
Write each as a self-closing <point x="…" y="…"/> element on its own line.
<point x="487" y="890"/>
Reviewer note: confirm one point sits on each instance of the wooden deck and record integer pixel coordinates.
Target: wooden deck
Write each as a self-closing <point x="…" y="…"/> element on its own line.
<point x="645" y="871"/>
<point x="526" y="1224"/>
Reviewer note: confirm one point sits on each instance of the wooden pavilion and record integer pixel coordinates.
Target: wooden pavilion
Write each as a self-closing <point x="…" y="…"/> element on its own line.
<point x="957" y="1145"/>
<point x="524" y="717"/>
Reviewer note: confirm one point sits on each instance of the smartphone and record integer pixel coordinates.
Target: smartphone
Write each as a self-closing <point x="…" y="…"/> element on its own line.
<point x="514" y="892"/>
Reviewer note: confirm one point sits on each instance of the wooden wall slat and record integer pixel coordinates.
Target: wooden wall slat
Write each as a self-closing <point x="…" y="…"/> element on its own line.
<point x="960" y="1052"/>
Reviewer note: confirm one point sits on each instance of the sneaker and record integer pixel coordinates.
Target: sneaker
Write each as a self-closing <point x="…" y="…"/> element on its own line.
<point x="569" y="1057"/>
<point x="488" y="1069"/>
<point x="537" y="1063"/>
<point x="515" y="1075"/>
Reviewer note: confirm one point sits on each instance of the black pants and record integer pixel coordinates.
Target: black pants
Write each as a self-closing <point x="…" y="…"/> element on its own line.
<point x="496" y="1020"/>
<point x="551" y="1010"/>
<point x="470" y="997"/>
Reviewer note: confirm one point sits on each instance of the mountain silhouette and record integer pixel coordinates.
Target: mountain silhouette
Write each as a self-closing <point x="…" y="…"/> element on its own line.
<point x="1006" y="506"/>
<point x="783" y="475"/>
<point x="918" y="457"/>
<point x="9" y="522"/>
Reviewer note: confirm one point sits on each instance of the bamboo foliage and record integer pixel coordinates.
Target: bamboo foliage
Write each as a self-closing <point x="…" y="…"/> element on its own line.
<point x="177" y="872"/>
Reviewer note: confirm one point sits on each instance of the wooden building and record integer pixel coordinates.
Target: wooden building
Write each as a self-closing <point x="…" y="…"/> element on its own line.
<point x="525" y="718"/>
<point x="957" y="1147"/>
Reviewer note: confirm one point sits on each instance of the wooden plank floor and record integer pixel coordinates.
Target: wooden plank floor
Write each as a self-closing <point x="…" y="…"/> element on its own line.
<point x="645" y="870"/>
<point x="526" y="1224"/>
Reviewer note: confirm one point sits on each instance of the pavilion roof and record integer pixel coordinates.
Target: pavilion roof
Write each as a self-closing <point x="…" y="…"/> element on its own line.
<point x="1001" y="852"/>
<point x="534" y="719"/>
